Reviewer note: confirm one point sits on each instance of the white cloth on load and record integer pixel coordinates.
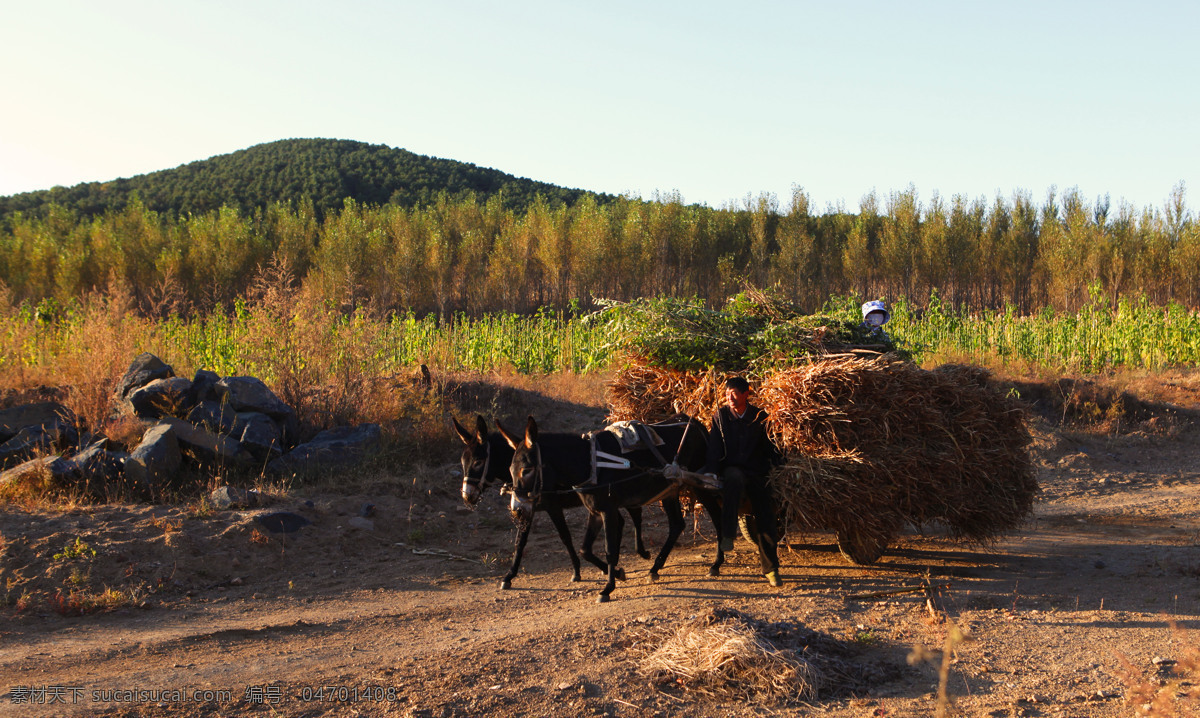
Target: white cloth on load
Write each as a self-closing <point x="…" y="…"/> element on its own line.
<point x="628" y="437"/>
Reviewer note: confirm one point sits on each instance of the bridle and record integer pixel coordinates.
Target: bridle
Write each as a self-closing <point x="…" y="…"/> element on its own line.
<point x="534" y="497"/>
<point x="472" y="489"/>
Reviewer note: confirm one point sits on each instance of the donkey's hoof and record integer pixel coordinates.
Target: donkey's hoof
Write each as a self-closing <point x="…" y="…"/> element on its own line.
<point x="644" y="554"/>
<point x="714" y="571"/>
<point x="576" y="578"/>
<point x="603" y="598"/>
<point x="505" y="585"/>
<point x="653" y="576"/>
<point x="619" y="574"/>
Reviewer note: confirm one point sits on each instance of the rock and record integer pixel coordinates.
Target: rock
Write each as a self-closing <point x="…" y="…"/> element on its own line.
<point x="367" y="510"/>
<point x="245" y="393"/>
<point x="47" y="467"/>
<point x="363" y="524"/>
<point x="145" y="368"/>
<point x="161" y="397"/>
<point x="216" y="416"/>
<point x="41" y="413"/>
<point x="95" y="467"/>
<point x="38" y="439"/>
<point x="329" y="449"/>
<point x="204" y="386"/>
<point x="282" y="522"/>
<point x="259" y="434"/>
<point x="228" y="497"/>
<point x="207" y="447"/>
<point x="1099" y="564"/>
<point x="155" y="460"/>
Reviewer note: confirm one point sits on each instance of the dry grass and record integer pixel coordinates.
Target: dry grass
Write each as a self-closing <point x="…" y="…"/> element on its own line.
<point x="724" y="653"/>
<point x="1172" y="690"/>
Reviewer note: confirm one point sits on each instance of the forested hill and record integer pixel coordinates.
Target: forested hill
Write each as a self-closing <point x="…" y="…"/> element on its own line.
<point x="323" y="171"/>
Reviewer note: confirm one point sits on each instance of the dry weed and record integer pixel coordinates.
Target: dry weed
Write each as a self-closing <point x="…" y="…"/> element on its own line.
<point x="1174" y="687"/>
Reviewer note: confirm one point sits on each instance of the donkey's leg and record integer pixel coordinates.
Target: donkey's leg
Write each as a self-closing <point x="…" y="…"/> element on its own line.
<point x="564" y="533"/>
<point x="635" y="518"/>
<point x="506" y="582"/>
<point x="674" y="528"/>
<point x="713" y="506"/>
<point x="595" y="521"/>
<point x="614" y="525"/>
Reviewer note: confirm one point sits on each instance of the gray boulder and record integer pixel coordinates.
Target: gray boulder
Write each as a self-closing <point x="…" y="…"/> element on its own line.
<point x="204" y="386"/>
<point x="206" y="447"/>
<point x="228" y="497"/>
<point x="95" y="468"/>
<point x="161" y="397"/>
<point x="145" y="368"/>
<point x="216" y="416"/>
<point x="282" y="521"/>
<point x="259" y="434"/>
<point x="154" y="461"/>
<point x="38" y="439"/>
<point x="41" y="413"/>
<point x="52" y="467"/>
<point x="246" y="393"/>
<point x="333" y="448"/>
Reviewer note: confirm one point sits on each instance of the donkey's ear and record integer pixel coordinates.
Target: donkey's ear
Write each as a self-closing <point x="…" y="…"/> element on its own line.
<point x="480" y="428"/>
<point x="461" y="431"/>
<point x="531" y="433"/>
<point x="512" y="441"/>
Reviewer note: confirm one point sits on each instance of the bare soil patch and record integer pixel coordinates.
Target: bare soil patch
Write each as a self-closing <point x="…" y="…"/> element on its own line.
<point x="395" y="609"/>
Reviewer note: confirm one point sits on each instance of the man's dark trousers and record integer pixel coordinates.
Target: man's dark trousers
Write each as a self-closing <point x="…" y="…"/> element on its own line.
<point x="762" y="504"/>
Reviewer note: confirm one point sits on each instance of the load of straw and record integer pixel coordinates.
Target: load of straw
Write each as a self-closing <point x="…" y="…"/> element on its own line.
<point x="872" y="443"/>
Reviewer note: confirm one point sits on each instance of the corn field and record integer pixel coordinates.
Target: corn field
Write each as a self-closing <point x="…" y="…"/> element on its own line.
<point x="317" y="343"/>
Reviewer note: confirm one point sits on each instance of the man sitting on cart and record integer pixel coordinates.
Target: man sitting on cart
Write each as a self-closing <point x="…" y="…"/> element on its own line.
<point x="742" y="452"/>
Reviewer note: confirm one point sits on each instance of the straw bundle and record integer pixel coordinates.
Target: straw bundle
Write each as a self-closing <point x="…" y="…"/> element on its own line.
<point x="726" y="653"/>
<point x="871" y="443"/>
<point x="877" y="442"/>
<point x="642" y="392"/>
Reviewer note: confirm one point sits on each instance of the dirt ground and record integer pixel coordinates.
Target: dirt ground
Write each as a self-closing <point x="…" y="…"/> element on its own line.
<point x="395" y="608"/>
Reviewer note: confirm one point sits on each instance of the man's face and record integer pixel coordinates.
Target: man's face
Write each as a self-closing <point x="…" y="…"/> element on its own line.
<point x="737" y="400"/>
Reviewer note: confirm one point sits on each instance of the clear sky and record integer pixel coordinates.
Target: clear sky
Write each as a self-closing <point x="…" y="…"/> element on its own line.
<point x="713" y="100"/>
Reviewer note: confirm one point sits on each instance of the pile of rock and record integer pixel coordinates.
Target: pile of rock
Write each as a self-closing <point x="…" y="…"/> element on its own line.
<point x="233" y="422"/>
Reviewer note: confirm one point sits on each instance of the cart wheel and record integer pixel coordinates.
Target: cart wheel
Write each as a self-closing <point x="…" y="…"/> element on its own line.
<point x="859" y="549"/>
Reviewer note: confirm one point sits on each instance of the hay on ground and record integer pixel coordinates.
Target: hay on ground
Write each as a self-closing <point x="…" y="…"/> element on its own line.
<point x="724" y="653"/>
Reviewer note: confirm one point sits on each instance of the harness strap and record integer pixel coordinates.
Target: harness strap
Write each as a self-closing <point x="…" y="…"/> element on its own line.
<point x="605" y="460"/>
<point x="644" y="434"/>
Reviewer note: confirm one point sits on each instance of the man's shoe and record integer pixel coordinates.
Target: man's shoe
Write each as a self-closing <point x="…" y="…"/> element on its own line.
<point x="775" y="579"/>
<point x="726" y="544"/>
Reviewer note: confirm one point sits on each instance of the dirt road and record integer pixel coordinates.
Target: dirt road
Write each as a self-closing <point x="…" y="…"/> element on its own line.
<point x="399" y="612"/>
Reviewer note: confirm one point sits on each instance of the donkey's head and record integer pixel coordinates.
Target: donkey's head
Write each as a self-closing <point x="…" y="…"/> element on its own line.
<point x="526" y="471"/>
<point x="480" y="463"/>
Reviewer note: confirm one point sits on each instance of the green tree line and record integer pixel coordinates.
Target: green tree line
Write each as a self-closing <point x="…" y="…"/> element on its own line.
<point x="475" y="255"/>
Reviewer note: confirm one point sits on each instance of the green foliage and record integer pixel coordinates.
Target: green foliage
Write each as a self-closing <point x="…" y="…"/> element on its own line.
<point x="754" y="328"/>
<point x="76" y="549"/>
<point x="321" y="172"/>
<point x="1136" y="334"/>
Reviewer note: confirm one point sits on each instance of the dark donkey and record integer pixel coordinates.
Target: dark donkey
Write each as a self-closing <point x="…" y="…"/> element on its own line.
<point x="486" y="460"/>
<point x="561" y="465"/>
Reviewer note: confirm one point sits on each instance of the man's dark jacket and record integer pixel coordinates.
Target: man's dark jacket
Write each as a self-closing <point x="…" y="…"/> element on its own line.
<point x="741" y="442"/>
